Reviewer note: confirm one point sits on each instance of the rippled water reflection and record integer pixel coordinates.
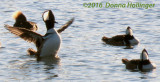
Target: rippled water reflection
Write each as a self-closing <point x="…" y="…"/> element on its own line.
<point x="83" y="56"/>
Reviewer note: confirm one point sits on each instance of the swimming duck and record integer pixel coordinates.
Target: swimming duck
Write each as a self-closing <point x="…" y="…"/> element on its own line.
<point x="142" y="64"/>
<point x="122" y="40"/>
<point x="21" y="21"/>
<point x="47" y="45"/>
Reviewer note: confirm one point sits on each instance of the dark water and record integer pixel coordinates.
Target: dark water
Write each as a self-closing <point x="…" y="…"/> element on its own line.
<point x="84" y="57"/>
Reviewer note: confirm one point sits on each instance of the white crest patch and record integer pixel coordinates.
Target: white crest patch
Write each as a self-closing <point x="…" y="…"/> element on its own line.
<point x="46" y="16"/>
<point x="129" y="31"/>
<point x="144" y="55"/>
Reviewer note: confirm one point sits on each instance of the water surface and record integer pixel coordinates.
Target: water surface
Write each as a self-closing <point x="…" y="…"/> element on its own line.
<point x="84" y="57"/>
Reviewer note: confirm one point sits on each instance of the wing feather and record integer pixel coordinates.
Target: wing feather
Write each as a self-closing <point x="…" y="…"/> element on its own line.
<point x="25" y="34"/>
<point x="66" y="25"/>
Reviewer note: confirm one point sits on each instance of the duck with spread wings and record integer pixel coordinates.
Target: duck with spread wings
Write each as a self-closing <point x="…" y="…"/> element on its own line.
<point x="47" y="45"/>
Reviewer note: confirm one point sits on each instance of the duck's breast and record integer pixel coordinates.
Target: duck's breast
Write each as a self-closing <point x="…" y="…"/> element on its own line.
<point x="149" y="66"/>
<point x="51" y="45"/>
<point x="134" y="41"/>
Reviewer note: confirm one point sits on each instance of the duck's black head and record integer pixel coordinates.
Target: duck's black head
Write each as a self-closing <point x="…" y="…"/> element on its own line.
<point x="144" y="55"/>
<point x="129" y="35"/>
<point x="144" y="60"/>
<point x="49" y="19"/>
<point x="129" y="31"/>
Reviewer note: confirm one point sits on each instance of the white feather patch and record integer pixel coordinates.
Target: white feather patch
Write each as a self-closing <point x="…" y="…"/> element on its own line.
<point x="51" y="45"/>
<point x="144" y="56"/>
<point x="129" y="31"/>
<point x="46" y="16"/>
<point x="149" y="66"/>
<point x="134" y="41"/>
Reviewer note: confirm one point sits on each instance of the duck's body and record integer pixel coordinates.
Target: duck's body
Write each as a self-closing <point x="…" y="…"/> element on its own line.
<point x="136" y="64"/>
<point x="51" y="44"/>
<point x="21" y="21"/>
<point x="115" y="40"/>
<point x="142" y="64"/>
<point x="122" y="40"/>
<point x="47" y="45"/>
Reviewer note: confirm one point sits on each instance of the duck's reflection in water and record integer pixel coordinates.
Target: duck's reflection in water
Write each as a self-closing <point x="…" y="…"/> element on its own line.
<point x="129" y="47"/>
<point x="49" y="60"/>
<point x="147" y="74"/>
<point x="45" y="69"/>
<point x="50" y="63"/>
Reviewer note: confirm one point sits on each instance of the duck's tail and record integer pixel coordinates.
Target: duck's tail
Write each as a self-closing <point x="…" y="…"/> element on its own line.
<point x="125" y="61"/>
<point x="31" y="51"/>
<point x="104" y="38"/>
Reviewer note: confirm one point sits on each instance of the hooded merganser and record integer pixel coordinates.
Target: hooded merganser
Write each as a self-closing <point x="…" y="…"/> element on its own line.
<point x="122" y="40"/>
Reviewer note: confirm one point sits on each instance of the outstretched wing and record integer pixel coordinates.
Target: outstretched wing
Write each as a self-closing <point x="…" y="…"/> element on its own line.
<point x="65" y="25"/>
<point x="25" y="34"/>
